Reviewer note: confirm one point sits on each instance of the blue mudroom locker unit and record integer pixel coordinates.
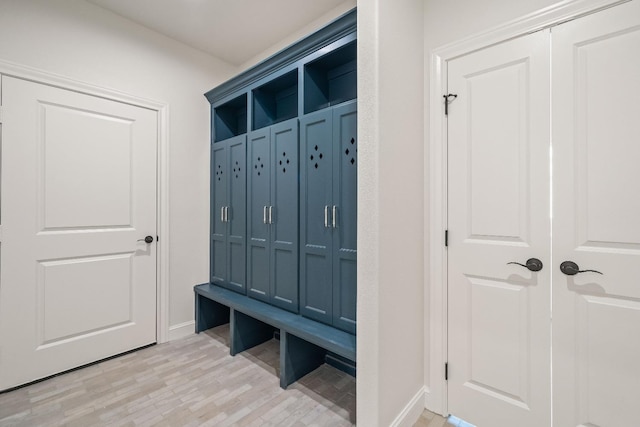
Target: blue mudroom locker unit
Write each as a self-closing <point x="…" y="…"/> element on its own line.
<point x="284" y="161"/>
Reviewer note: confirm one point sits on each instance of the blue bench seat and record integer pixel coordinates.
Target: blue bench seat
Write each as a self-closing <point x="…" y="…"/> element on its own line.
<point x="304" y="343"/>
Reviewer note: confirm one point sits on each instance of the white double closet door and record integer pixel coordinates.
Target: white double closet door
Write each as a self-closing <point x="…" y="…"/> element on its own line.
<point x="544" y="164"/>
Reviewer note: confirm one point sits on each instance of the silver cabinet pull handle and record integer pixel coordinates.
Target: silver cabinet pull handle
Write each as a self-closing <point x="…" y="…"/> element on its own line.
<point x="334" y="213"/>
<point x="222" y="214"/>
<point x="270" y="214"/>
<point x="264" y="214"/>
<point x="326" y="216"/>
<point x="226" y="214"/>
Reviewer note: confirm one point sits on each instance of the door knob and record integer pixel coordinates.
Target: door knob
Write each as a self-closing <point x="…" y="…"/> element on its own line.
<point x="570" y="268"/>
<point x="147" y="239"/>
<point x="533" y="264"/>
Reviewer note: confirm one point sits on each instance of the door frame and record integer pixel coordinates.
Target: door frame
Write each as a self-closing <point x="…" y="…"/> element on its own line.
<point x="162" y="175"/>
<point x="435" y="273"/>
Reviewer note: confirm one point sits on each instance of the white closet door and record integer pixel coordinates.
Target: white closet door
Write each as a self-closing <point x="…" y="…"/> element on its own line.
<point x="498" y="178"/>
<point x="78" y="191"/>
<point x="596" y="219"/>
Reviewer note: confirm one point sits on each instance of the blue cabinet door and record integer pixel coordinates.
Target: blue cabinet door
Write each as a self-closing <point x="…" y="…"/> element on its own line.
<point x="236" y="215"/>
<point x="258" y="198"/>
<point x="345" y="199"/>
<point x="283" y="215"/>
<point x="316" y="178"/>
<point x="219" y="194"/>
<point x="228" y="217"/>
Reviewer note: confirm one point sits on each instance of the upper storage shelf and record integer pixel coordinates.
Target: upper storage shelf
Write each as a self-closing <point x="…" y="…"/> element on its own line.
<point x="332" y="74"/>
<point x="230" y="118"/>
<point x="275" y="101"/>
<point x="331" y="79"/>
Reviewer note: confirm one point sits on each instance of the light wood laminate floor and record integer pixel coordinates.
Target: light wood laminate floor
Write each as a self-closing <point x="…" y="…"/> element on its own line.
<point x="189" y="382"/>
<point x="429" y="419"/>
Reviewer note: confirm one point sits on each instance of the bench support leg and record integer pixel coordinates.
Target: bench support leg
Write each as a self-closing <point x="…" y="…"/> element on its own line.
<point x="247" y="332"/>
<point x="209" y="314"/>
<point x="297" y="358"/>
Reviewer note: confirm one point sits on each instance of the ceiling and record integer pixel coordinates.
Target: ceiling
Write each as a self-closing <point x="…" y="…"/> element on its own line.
<point x="232" y="30"/>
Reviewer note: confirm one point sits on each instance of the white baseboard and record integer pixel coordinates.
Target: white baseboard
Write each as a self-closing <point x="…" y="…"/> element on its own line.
<point x="428" y="399"/>
<point x="412" y="411"/>
<point x="430" y="403"/>
<point x="182" y="330"/>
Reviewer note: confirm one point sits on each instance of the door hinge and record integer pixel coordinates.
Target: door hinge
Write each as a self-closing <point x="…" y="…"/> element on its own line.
<point x="446" y="371"/>
<point x="446" y="238"/>
<point x="447" y="102"/>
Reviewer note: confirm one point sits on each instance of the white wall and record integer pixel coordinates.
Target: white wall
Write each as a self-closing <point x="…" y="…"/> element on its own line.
<point x="390" y="210"/>
<point x="83" y="42"/>
<point x="314" y="26"/>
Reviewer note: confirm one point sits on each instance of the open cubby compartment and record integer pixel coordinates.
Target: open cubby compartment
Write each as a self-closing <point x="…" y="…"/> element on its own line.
<point x="276" y="101"/>
<point x="331" y="79"/>
<point x="230" y="118"/>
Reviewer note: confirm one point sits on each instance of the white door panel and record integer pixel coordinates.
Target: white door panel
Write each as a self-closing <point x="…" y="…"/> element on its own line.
<point x="498" y="213"/>
<point x="78" y="191"/>
<point x="102" y="198"/>
<point x="596" y="105"/>
<point x="59" y="282"/>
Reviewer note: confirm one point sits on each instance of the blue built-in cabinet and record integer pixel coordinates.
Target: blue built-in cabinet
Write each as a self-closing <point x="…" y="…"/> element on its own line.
<point x="284" y="179"/>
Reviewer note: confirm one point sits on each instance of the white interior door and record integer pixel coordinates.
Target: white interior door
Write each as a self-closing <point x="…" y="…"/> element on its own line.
<point x="78" y="191"/>
<point x="596" y="219"/>
<point x="498" y="179"/>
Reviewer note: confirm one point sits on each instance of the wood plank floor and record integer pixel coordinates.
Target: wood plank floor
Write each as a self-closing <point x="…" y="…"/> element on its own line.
<point x="429" y="419"/>
<point x="189" y="382"/>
